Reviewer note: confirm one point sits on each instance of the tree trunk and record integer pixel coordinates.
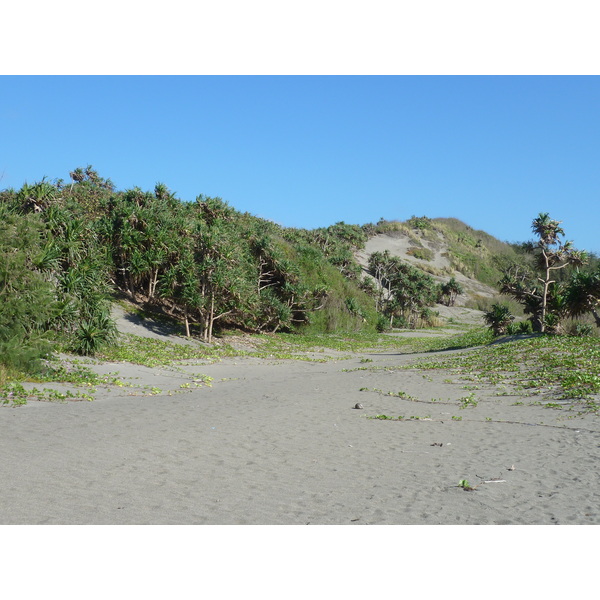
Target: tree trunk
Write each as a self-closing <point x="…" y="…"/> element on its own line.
<point x="546" y="283"/>
<point x="152" y="283"/>
<point x="187" y="324"/>
<point x="211" y="318"/>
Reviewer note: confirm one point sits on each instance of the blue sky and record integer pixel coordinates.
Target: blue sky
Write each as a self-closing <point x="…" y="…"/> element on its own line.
<point x="308" y="151"/>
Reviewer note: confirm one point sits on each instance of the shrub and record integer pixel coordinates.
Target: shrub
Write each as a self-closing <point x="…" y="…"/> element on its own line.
<point x="400" y="322"/>
<point x="26" y="297"/>
<point x="450" y="291"/>
<point x="521" y="327"/>
<point x="498" y="319"/>
<point x="94" y="334"/>
<point x="579" y="329"/>
<point x="419" y="222"/>
<point x="382" y="325"/>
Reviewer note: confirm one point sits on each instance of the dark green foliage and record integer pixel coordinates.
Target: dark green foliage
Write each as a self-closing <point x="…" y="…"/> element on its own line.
<point x="94" y="334"/>
<point x="520" y="328"/>
<point x="537" y="287"/>
<point x="26" y="295"/>
<point x="498" y="318"/>
<point x="449" y="291"/>
<point x="382" y="325"/>
<point x="582" y="294"/>
<point x="404" y="291"/>
<point x="202" y="263"/>
<point x="582" y="329"/>
<point x="337" y="243"/>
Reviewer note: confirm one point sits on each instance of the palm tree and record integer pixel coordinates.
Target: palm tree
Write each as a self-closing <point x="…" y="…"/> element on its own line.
<point x="498" y="318"/>
<point x="78" y="175"/>
<point x="583" y="295"/>
<point x="451" y="290"/>
<point x="553" y="255"/>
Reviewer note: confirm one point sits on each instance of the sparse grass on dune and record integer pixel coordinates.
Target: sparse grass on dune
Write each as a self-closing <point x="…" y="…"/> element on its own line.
<point x="13" y="393"/>
<point x="152" y="353"/>
<point x="556" y="367"/>
<point x="356" y="342"/>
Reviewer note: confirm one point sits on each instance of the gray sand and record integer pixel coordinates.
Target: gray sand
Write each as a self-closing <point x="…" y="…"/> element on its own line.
<point x="279" y="442"/>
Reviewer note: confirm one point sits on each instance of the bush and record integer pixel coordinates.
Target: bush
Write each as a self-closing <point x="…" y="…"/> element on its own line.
<point x="382" y="325"/>
<point x="93" y="335"/>
<point x="24" y="354"/>
<point x="498" y="319"/>
<point x="26" y="297"/>
<point x="400" y="322"/>
<point x="522" y="327"/>
<point x="485" y="303"/>
<point x="419" y="222"/>
<point x="581" y="329"/>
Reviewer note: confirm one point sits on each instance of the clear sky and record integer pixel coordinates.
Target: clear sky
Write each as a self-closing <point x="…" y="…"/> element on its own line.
<point x="308" y="151"/>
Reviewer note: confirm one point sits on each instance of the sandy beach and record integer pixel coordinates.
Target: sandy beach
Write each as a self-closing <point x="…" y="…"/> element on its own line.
<point x="280" y="442"/>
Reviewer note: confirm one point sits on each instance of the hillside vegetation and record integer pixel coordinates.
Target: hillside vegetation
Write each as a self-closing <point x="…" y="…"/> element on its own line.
<point x="447" y="246"/>
<point x="69" y="250"/>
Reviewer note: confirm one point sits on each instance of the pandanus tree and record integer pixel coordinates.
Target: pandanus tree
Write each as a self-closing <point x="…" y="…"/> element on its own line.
<point x="179" y="284"/>
<point x="282" y="299"/>
<point x="37" y="197"/>
<point x="553" y="254"/>
<point x="413" y="291"/>
<point x="538" y="292"/>
<point x="450" y="291"/>
<point x="583" y="294"/>
<point x="404" y="290"/>
<point x="147" y="231"/>
<point x="380" y="268"/>
<point x="498" y="318"/>
<point x="204" y="283"/>
<point x="72" y="261"/>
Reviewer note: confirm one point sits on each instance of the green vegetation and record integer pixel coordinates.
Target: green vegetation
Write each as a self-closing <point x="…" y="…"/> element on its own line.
<point x="420" y="253"/>
<point x="405" y="292"/>
<point x="153" y="352"/>
<point x="563" y="367"/>
<point x="468" y="401"/>
<point x="450" y="291"/>
<point x="537" y="288"/>
<point x="473" y="253"/>
<point x="499" y="319"/>
<point x="68" y="250"/>
<point x="27" y="303"/>
<point x="466" y="486"/>
<point x="15" y="394"/>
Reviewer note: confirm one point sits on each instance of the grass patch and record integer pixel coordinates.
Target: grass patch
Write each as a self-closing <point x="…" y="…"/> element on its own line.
<point x="154" y="353"/>
<point x="421" y="253"/>
<point x="557" y="367"/>
<point x="15" y="394"/>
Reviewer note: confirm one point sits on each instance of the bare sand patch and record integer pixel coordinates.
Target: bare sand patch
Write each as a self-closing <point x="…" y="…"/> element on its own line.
<point x="279" y="442"/>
